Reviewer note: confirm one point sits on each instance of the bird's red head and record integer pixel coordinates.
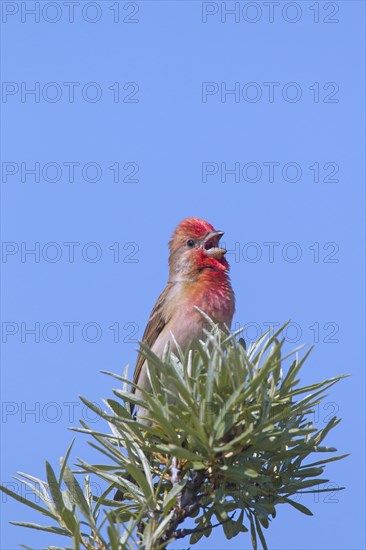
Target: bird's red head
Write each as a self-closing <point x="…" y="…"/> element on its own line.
<point x="194" y="246"/>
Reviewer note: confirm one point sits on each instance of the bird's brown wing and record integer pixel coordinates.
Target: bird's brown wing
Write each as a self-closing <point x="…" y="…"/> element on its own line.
<point x="154" y="327"/>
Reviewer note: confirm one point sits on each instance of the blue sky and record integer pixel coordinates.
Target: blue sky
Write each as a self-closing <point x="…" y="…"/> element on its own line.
<point x="143" y="113"/>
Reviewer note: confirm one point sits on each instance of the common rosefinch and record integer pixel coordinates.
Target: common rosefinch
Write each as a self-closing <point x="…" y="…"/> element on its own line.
<point x="198" y="276"/>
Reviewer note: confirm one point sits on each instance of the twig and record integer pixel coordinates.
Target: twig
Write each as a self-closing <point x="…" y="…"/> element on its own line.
<point x="187" y="505"/>
<point x="175" y="471"/>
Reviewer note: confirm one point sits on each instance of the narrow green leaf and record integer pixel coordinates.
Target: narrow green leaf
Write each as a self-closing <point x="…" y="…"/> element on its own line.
<point x="29" y="503"/>
<point x="69" y="519"/>
<point x="54" y="488"/>
<point x="180" y="452"/>
<point x="252" y="531"/>
<point x="77" y="494"/>
<point x="331" y="459"/>
<point x="63" y="461"/>
<point x="260" y="533"/>
<point x="48" y="529"/>
<point x="298" y="506"/>
<point x="170" y="498"/>
<point x="229" y="528"/>
<point x="42" y="494"/>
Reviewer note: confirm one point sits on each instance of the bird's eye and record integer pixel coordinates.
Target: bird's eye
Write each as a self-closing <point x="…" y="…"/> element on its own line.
<point x="190" y="243"/>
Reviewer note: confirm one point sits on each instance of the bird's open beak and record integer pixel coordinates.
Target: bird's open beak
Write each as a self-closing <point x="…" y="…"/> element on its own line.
<point x="210" y="245"/>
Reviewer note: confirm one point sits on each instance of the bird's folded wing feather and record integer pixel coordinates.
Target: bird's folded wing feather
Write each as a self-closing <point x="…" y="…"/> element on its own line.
<point x="157" y="322"/>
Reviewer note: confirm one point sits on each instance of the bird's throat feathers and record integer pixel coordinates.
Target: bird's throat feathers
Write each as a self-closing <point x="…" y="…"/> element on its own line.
<point x="214" y="279"/>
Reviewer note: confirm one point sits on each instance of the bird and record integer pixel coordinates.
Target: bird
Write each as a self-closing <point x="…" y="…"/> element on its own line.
<point x="198" y="278"/>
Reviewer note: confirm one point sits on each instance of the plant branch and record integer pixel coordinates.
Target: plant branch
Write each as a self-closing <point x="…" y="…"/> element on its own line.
<point x="189" y="504"/>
